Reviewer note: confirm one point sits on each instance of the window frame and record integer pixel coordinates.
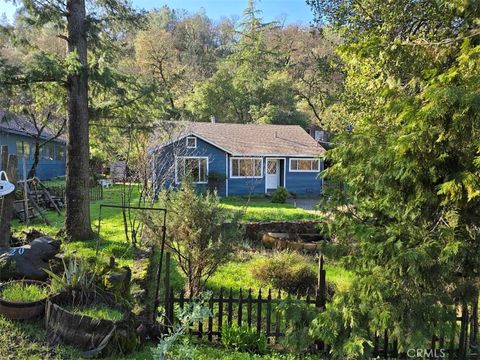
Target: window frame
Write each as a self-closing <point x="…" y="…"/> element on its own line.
<point x="58" y="148"/>
<point x="178" y="180"/>
<point x="246" y="177"/>
<point x="190" y="138"/>
<point x="25" y="145"/>
<point x="304" y="171"/>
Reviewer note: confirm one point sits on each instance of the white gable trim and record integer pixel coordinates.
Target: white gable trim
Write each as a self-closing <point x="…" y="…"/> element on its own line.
<point x="198" y="136"/>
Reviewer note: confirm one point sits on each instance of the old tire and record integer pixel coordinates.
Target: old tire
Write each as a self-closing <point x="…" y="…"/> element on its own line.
<point x="15" y="310"/>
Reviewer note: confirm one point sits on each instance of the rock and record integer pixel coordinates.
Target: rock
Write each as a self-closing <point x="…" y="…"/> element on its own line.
<point x="28" y="261"/>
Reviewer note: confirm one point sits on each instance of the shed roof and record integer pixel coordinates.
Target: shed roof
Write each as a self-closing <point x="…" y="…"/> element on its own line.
<point x="256" y="139"/>
<point x="18" y="124"/>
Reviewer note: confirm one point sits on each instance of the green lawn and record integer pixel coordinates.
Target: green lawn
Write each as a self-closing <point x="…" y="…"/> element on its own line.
<point x="262" y="209"/>
<point x="26" y="340"/>
<point x="112" y="240"/>
<point x="237" y="274"/>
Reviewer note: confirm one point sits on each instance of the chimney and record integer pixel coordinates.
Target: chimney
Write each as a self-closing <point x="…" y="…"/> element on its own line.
<point x="212" y="119"/>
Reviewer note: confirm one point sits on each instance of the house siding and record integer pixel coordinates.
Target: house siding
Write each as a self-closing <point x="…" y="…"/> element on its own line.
<point x="300" y="183"/>
<point x="303" y="183"/>
<point x="46" y="169"/>
<point x="164" y="164"/>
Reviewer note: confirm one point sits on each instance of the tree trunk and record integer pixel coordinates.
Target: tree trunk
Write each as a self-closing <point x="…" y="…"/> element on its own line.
<point x="77" y="220"/>
<point x="36" y="159"/>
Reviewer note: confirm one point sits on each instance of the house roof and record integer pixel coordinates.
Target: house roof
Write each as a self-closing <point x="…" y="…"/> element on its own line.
<point x="17" y="124"/>
<point x="256" y="139"/>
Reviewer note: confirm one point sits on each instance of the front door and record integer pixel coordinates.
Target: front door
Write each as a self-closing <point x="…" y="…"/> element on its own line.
<point x="273" y="173"/>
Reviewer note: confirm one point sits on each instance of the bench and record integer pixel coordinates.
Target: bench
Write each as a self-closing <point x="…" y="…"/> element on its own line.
<point x="104" y="183"/>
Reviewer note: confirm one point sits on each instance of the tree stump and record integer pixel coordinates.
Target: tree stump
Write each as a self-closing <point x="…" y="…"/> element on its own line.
<point x="10" y="165"/>
<point x="28" y="261"/>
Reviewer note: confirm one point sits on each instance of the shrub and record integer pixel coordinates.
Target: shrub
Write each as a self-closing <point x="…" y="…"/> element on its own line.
<point x="280" y="195"/>
<point x="286" y="271"/>
<point x="196" y="233"/>
<point x="243" y="338"/>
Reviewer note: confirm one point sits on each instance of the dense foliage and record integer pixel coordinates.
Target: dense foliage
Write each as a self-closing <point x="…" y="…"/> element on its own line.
<point x="407" y="218"/>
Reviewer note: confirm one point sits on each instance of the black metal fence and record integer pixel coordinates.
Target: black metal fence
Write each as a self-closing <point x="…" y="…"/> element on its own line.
<point x="260" y="311"/>
<point x="255" y="310"/>
<point x="96" y="192"/>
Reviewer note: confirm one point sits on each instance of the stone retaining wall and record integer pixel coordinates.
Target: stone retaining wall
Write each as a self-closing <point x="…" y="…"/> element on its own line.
<point x="254" y="230"/>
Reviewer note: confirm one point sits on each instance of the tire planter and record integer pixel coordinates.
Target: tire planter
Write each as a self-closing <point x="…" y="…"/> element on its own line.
<point x="16" y="310"/>
<point x="91" y="335"/>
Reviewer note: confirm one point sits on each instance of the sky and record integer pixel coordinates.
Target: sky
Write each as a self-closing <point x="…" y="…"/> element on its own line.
<point x="292" y="11"/>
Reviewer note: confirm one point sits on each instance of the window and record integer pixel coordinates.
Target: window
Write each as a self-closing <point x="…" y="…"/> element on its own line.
<point x="191" y="142"/>
<point x="246" y="168"/>
<point x="304" y="165"/>
<point x="48" y="152"/>
<point x="23" y="149"/>
<point x="194" y="167"/>
<point x="60" y="153"/>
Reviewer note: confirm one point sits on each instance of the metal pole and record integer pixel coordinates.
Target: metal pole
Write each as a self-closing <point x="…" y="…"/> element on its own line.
<point x="97" y="245"/>
<point x="159" y="272"/>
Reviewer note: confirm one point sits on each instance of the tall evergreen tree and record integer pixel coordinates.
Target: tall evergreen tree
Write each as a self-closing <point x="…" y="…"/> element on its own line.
<point x="407" y="219"/>
<point x="80" y="30"/>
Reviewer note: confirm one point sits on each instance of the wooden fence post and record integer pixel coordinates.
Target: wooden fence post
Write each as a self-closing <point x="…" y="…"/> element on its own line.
<point x="10" y="165"/>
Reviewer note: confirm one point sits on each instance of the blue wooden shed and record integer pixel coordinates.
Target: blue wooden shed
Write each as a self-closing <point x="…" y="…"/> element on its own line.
<point x="18" y="133"/>
<point x="242" y="159"/>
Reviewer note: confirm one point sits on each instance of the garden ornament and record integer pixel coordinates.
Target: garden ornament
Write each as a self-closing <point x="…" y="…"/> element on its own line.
<point x="6" y="187"/>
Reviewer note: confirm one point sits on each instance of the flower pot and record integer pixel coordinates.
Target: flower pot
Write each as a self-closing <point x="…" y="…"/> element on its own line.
<point x="16" y="310"/>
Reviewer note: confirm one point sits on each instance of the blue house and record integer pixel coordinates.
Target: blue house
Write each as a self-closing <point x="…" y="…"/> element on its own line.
<point x="19" y="134"/>
<point x="241" y="159"/>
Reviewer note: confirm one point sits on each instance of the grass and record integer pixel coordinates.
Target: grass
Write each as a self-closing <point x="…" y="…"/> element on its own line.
<point x="27" y="340"/>
<point x="261" y="209"/>
<point x="97" y="312"/>
<point x="237" y="274"/>
<point x="112" y="236"/>
<point x="21" y="292"/>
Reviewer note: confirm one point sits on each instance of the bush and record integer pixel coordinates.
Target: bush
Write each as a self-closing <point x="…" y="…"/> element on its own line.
<point x="243" y="338"/>
<point x="280" y="195"/>
<point x="287" y="271"/>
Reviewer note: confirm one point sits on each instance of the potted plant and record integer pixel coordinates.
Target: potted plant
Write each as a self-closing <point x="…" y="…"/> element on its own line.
<point x="23" y="299"/>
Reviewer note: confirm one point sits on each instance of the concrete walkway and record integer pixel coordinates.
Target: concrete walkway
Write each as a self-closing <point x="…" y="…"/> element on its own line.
<point x="305" y="204"/>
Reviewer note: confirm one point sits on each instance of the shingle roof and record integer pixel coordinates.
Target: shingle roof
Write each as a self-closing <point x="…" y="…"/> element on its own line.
<point x="255" y="139"/>
<point x="17" y="124"/>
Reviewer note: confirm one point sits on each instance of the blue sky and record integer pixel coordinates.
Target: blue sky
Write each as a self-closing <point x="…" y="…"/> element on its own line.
<point x="293" y="11"/>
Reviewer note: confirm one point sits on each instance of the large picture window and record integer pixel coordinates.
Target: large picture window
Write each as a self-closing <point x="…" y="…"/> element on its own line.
<point x="194" y="167"/>
<point x="60" y="153"/>
<point x="23" y="149"/>
<point x="304" y="165"/>
<point x="246" y="167"/>
<point x="48" y="151"/>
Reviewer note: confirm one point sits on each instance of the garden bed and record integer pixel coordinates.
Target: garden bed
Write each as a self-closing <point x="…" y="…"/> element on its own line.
<point x="69" y="320"/>
<point x="23" y="299"/>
